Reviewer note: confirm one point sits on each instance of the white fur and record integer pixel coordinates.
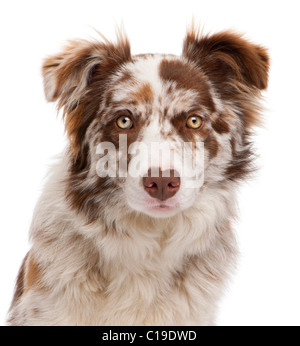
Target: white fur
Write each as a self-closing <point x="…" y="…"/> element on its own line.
<point x="127" y="267"/>
<point x="134" y="280"/>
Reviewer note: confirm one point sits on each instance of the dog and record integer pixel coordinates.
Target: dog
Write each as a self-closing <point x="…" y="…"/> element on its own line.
<point x="123" y="233"/>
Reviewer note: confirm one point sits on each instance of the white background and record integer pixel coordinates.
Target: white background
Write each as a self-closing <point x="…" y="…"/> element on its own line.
<point x="266" y="287"/>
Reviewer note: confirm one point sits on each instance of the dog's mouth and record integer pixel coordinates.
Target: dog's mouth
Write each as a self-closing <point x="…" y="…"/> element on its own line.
<point x="161" y="209"/>
<point x="163" y="206"/>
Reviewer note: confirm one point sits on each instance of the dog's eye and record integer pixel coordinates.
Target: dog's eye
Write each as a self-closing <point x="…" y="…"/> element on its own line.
<point x="194" y="122"/>
<point x="124" y="122"/>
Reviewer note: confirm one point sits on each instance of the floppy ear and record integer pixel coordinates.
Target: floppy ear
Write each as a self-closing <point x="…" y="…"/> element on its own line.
<point x="68" y="73"/>
<point x="76" y="78"/>
<point x="226" y="57"/>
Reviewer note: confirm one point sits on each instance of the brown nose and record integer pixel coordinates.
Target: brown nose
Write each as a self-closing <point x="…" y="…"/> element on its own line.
<point x="162" y="187"/>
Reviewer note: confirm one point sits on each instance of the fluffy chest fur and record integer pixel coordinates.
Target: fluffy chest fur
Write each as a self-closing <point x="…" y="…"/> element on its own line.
<point x="113" y="243"/>
<point x="146" y="271"/>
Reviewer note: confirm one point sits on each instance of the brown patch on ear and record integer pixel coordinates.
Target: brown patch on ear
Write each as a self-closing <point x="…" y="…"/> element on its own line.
<point x="143" y="94"/>
<point x="77" y="78"/>
<point x="237" y="69"/>
<point x="70" y="71"/>
<point x="228" y="56"/>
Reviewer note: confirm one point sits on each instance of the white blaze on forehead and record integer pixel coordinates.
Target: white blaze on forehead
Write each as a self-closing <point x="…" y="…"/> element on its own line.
<point x="157" y="151"/>
<point x="144" y="70"/>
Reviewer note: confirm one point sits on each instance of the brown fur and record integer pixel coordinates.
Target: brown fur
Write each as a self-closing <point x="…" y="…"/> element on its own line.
<point x="101" y="255"/>
<point x="187" y="77"/>
<point x="76" y="68"/>
<point x="235" y="66"/>
<point x="144" y="94"/>
<point x="19" y="288"/>
<point x="220" y="125"/>
<point x="227" y="55"/>
<point x="32" y="275"/>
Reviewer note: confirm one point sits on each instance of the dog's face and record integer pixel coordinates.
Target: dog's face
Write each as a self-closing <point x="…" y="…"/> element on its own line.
<point x="149" y="132"/>
<point x="159" y="104"/>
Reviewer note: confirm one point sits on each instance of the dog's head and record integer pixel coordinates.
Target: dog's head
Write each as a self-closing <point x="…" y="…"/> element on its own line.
<point x="150" y="132"/>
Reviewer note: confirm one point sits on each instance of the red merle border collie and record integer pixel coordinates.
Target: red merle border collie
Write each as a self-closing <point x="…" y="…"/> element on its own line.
<point x="153" y="246"/>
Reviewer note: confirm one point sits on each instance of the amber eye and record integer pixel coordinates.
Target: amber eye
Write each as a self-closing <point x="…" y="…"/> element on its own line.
<point x="194" y="122"/>
<point x="124" y="122"/>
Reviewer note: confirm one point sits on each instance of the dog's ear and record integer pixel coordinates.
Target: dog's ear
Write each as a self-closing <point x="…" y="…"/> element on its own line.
<point x="228" y="58"/>
<point x="67" y="74"/>
<point x="77" y="78"/>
